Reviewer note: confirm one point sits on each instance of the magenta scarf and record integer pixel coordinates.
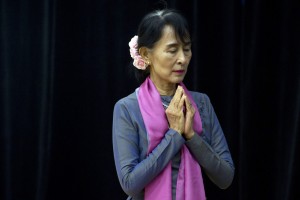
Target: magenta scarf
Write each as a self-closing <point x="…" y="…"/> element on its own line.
<point x="189" y="182"/>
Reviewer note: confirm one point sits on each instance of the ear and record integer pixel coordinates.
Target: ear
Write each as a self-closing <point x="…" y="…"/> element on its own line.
<point x="145" y="53"/>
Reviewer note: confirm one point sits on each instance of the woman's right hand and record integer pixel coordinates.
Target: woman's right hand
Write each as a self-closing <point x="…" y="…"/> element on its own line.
<point x="174" y="112"/>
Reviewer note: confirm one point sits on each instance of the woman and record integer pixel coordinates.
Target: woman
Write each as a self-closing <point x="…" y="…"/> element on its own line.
<point x="164" y="136"/>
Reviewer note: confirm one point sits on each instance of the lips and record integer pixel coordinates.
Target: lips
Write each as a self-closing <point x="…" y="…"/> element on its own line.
<point x="179" y="71"/>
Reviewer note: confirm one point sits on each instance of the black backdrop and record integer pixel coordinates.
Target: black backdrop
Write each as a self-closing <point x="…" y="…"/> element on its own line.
<point x="65" y="63"/>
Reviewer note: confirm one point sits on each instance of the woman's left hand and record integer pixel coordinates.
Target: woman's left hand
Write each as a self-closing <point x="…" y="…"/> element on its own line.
<point x="189" y="119"/>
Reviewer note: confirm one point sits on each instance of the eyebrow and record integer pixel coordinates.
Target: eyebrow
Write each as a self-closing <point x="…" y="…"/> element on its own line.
<point x="174" y="44"/>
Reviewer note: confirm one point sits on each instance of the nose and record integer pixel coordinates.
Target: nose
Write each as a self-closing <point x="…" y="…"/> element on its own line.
<point x="182" y="58"/>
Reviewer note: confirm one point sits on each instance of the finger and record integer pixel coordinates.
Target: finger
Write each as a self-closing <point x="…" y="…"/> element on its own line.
<point x="188" y="103"/>
<point x="181" y="102"/>
<point x="177" y="96"/>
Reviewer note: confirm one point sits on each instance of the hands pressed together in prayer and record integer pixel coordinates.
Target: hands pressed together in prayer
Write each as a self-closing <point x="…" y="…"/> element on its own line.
<point x="180" y="114"/>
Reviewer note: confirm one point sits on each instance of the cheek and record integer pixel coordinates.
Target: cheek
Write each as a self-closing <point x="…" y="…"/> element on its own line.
<point x="165" y="61"/>
<point x="189" y="56"/>
<point x="188" y="59"/>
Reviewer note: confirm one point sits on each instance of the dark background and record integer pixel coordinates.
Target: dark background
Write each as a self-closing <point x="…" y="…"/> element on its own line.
<point x="64" y="64"/>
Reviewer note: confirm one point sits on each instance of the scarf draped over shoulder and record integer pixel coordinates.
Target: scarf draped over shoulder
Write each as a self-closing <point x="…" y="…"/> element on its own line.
<point x="189" y="182"/>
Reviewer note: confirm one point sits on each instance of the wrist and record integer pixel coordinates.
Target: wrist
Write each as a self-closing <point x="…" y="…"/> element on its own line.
<point x="188" y="136"/>
<point x="177" y="130"/>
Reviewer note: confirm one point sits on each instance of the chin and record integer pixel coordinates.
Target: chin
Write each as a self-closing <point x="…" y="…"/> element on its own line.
<point x="178" y="80"/>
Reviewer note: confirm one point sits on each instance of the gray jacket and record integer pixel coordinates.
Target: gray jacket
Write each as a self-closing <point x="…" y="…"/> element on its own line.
<point x="135" y="169"/>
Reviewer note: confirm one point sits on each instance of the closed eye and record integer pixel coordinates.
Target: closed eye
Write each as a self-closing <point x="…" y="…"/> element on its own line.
<point x="172" y="50"/>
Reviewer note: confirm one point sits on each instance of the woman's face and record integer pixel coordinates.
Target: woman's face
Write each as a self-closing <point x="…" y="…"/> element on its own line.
<point x="169" y="58"/>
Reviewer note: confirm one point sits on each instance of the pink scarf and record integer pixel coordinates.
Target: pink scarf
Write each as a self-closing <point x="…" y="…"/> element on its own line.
<point x="189" y="182"/>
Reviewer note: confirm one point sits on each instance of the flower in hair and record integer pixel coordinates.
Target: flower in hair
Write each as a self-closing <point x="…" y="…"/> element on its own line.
<point x="138" y="61"/>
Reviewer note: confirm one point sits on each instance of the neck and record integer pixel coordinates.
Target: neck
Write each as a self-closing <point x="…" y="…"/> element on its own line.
<point x="165" y="89"/>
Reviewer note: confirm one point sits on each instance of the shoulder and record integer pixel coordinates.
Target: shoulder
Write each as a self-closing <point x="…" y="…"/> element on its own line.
<point x="127" y="111"/>
<point x="200" y="97"/>
<point x="131" y="99"/>
<point x="128" y="104"/>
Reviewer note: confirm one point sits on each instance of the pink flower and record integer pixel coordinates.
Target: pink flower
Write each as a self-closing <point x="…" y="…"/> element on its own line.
<point x="138" y="61"/>
<point x="133" y="42"/>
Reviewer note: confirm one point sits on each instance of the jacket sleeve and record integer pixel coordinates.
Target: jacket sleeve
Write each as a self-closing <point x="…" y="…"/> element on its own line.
<point x="134" y="172"/>
<point x="214" y="158"/>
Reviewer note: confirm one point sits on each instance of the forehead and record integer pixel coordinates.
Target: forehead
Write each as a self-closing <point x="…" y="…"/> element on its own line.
<point x="169" y="36"/>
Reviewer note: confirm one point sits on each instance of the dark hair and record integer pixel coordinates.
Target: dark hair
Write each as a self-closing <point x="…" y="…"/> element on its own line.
<point x="150" y="31"/>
